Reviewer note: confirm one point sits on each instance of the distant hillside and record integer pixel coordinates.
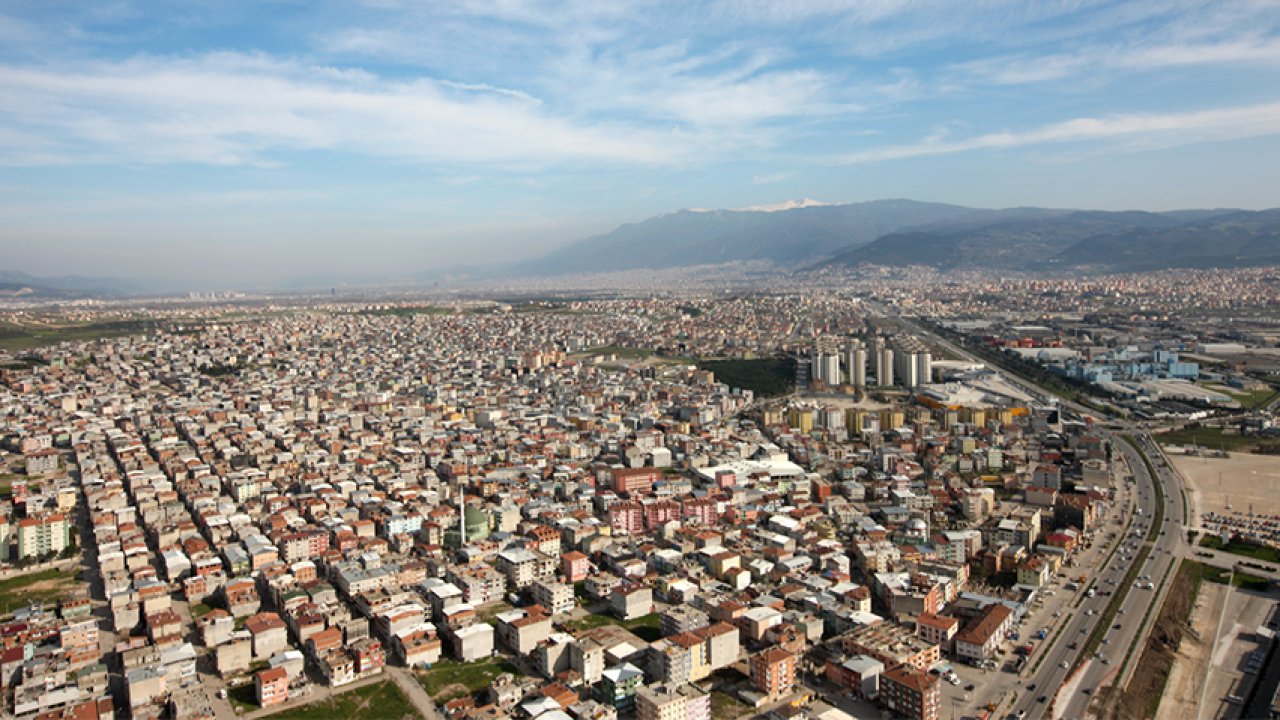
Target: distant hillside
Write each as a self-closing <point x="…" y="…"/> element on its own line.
<point x="14" y="283"/>
<point x="1233" y="239"/>
<point x="1014" y="244"/>
<point x="1096" y="240"/>
<point x="802" y="234"/>
<point x="789" y="237"/>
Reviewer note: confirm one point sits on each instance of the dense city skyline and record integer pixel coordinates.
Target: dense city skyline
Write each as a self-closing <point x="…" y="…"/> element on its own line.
<point x="253" y="145"/>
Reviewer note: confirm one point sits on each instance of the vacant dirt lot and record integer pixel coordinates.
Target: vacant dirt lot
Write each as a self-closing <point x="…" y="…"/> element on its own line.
<point x="1182" y="694"/>
<point x="1239" y="481"/>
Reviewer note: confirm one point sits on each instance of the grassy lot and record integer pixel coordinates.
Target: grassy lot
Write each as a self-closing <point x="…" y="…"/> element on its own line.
<point x="1245" y="581"/>
<point x="623" y="353"/>
<point x="1212" y="438"/>
<point x="199" y="610"/>
<point x="44" y="586"/>
<point x="446" y="678"/>
<point x="379" y="701"/>
<point x="408" y="311"/>
<point x="243" y="698"/>
<point x="6" y="483"/>
<point x="725" y="707"/>
<point x="1242" y="547"/>
<point x="767" y="377"/>
<point x="646" y="627"/>
<point x="23" y="337"/>
<point x="1249" y="399"/>
<point x="486" y="613"/>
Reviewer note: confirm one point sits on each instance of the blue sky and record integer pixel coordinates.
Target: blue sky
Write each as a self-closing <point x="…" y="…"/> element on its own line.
<point x="250" y="143"/>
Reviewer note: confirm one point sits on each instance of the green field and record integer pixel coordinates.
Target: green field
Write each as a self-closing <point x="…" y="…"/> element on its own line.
<point x="45" y="586"/>
<point x="486" y="613"/>
<point x="1209" y="437"/>
<point x="646" y="627"/>
<point x="442" y="680"/>
<point x="623" y="353"/>
<point x="23" y="337"/>
<point x="767" y="377"/>
<point x="1208" y="573"/>
<point x="1249" y="399"/>
<point x="244" y="698"/>
<point x="407" y="311"/>
<point x="1242" y="547"/>
<point x="6" y="482"/>
<point x="725" y="707"/>
<point x="379" y="701"/>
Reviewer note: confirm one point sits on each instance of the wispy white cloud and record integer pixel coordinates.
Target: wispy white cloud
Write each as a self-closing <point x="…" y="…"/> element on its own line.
<point x="228" y="109"/>
<point x="1030" y="68"/>
<point x="1142" y="130"/>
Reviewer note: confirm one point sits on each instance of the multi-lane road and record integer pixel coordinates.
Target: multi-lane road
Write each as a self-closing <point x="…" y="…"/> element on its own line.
<point x="1074" y="682"/>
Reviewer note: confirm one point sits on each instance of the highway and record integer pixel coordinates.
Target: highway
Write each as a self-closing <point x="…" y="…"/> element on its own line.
<point x="1131" y="624"/>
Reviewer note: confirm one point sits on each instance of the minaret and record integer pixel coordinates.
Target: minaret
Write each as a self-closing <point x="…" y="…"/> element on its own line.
<point x="462" y="518"/>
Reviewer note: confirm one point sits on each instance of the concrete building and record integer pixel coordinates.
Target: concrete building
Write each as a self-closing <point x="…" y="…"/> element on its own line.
<point x="39" y="536"/>
<point x="555" y="597"/>
<point x="773" y="672"/>
<point x="911" y="694"/>
<point x="666" y="702"/>
<point x="271" y="686"/>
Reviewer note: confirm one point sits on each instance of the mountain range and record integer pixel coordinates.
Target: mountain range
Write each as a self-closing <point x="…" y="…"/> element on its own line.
<point x="801" y="235"/>
<point x="14" y="283"/>
<point x="809" y="235"/>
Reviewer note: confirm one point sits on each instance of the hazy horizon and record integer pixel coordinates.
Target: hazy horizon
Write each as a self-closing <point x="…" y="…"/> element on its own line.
<point x="246" y="144"/>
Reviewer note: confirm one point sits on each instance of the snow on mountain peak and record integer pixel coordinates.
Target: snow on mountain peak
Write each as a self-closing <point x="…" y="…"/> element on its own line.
<point x="786" y="205"/>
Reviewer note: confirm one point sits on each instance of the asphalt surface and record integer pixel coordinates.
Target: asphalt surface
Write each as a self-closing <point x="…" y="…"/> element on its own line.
<point x="1168" y="549"/>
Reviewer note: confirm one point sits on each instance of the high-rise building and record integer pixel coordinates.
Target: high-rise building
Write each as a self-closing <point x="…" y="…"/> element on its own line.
<point x="831" y="368"/>
<point x="773" y="671"/>
<point x="884" y="366"/>
<point x="42" y="535"/>
<point x="905" y="367"/>
<point x="858" y="365"/>
<point x="924" y="367"/>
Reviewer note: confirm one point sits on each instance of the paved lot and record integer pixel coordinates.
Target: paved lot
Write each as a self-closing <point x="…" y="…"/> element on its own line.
<point x="1220" y="485"/>
<point x="1240" y="614"/>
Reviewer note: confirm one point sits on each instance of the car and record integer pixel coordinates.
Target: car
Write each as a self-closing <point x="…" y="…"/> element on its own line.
<point x="1064" y="665"/>
<point x="969" y="687"/>
<point x="1031" y="686"/>
<point x="1042" y="698"/>
<point x="1116" y="626"/>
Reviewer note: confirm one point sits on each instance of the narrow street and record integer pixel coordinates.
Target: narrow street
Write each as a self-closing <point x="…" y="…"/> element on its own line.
<point x="408" y="684"/>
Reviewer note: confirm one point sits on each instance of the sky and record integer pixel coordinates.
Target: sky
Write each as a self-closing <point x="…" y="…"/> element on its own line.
<point x="274" y="142"/>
